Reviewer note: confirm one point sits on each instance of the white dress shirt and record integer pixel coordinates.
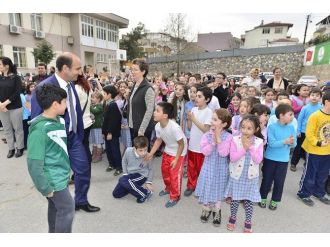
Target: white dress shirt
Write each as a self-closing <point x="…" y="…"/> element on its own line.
<point x="63" y="84"/>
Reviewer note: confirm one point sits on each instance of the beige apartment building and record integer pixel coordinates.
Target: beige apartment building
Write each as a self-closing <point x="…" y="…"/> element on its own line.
<point x="93" y="37"/>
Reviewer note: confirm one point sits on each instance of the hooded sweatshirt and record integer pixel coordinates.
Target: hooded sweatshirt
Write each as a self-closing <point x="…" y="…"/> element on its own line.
<point x="47" y="158"/>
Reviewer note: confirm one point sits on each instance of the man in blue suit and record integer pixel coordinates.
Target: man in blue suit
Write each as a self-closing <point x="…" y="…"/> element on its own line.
<point x="69" y="66"/>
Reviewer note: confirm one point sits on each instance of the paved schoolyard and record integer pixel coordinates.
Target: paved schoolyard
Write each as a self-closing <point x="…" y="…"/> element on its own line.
<point x="23" y="209"/>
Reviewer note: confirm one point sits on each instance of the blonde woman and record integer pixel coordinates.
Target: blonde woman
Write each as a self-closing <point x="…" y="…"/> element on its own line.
<point x="253" y="79"/>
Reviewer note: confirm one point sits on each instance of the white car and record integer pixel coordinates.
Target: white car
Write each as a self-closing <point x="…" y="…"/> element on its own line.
<point x="309" y="80"/>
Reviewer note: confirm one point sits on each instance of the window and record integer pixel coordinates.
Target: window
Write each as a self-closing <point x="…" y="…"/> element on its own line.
<point x="87" y="26"/>
<point x="15" y="19"/>
<point x="278" y="29"/>
<point x="102" y="58"/>
<point x="1" y="51"/>
<point x="101" y="30"/>
<point x="36" y="22"/>
<point x="265" y="31"/>
<point x="112" y="33"/>
<point x="19" y="56"/>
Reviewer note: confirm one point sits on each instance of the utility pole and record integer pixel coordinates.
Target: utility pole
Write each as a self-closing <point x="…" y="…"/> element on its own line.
<point x="307" y="22"/>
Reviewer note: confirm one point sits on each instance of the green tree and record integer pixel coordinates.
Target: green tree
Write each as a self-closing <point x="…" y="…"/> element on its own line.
<point x="44" y="52"/>
<point x="130" y="42"/>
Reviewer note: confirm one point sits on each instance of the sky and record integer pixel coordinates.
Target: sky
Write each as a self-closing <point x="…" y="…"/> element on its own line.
<point x="203" y="16"/>
<point x="235" y="23"/>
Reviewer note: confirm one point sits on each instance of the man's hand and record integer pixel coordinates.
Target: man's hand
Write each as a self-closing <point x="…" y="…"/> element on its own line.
<point x="140" y="133"/>
<point x="109" y="137"/>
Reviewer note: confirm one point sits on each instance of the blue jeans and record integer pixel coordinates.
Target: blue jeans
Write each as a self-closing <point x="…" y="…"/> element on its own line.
<point x="61" y="210"/>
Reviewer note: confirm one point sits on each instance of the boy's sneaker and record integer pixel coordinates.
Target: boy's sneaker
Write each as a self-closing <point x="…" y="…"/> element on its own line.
<point x="146" y="198"/>
<point x="163" y="193"/>
<point x="272" y="205"/>
<point x="205" y="215"/>
<point x="117" y="172"/>
<point x="171" y="203"/>
<point x="188" y="192"/>
<point x="293" y="168"/>
<point x="109" y="168"/>
<point x="217" y="218"/>
<point x="307" y="200"/>
<point x="263" y="203"/>
<point x="324" y="200"/>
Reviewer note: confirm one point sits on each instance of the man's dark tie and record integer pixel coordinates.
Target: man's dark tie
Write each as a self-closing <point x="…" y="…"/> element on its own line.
<point x="72" y="110"/>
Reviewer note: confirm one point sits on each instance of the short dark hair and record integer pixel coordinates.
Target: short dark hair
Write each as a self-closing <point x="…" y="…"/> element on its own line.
<point x="315" y="90"/>
<point x="63" y="60"/>
<point x="140" y="142"/>
<point x="110" y="89"/>
<point x="260" y="109"/>
<point x="223" y="74"/>
<point x="143" y="66"/>
<point x="197" y="76"/>
<point x="283" y="93"/>
<point x="207" y="92"/>
<point x="282" y="109"/>
<point x="42" y="64"/>
<point x="48" y="94"/>
<point x="167" y="109"/>
<point x="224" y="116"/>
<point x="326" y="96"/>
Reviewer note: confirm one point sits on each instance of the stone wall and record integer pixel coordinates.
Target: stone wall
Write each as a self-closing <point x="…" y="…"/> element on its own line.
<point x="291" y="64"/>
<point x="320" y="71"/>
<point x="235" y="62"/>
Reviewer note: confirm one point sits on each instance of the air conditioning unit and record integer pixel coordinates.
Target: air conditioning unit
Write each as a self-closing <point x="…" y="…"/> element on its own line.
<point x="70" y="40"/>
<point x="15" y="29"/>
<point x="39" y="34"/>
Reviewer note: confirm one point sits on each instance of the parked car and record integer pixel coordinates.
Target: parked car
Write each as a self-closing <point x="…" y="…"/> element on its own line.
<point x="238" y="78"/>
<point x="267" y="75"/>
<point x="309" y="80"/>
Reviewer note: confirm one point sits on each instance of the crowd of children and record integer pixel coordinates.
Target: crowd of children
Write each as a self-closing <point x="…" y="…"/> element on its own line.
<point x="222" y="149"/>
